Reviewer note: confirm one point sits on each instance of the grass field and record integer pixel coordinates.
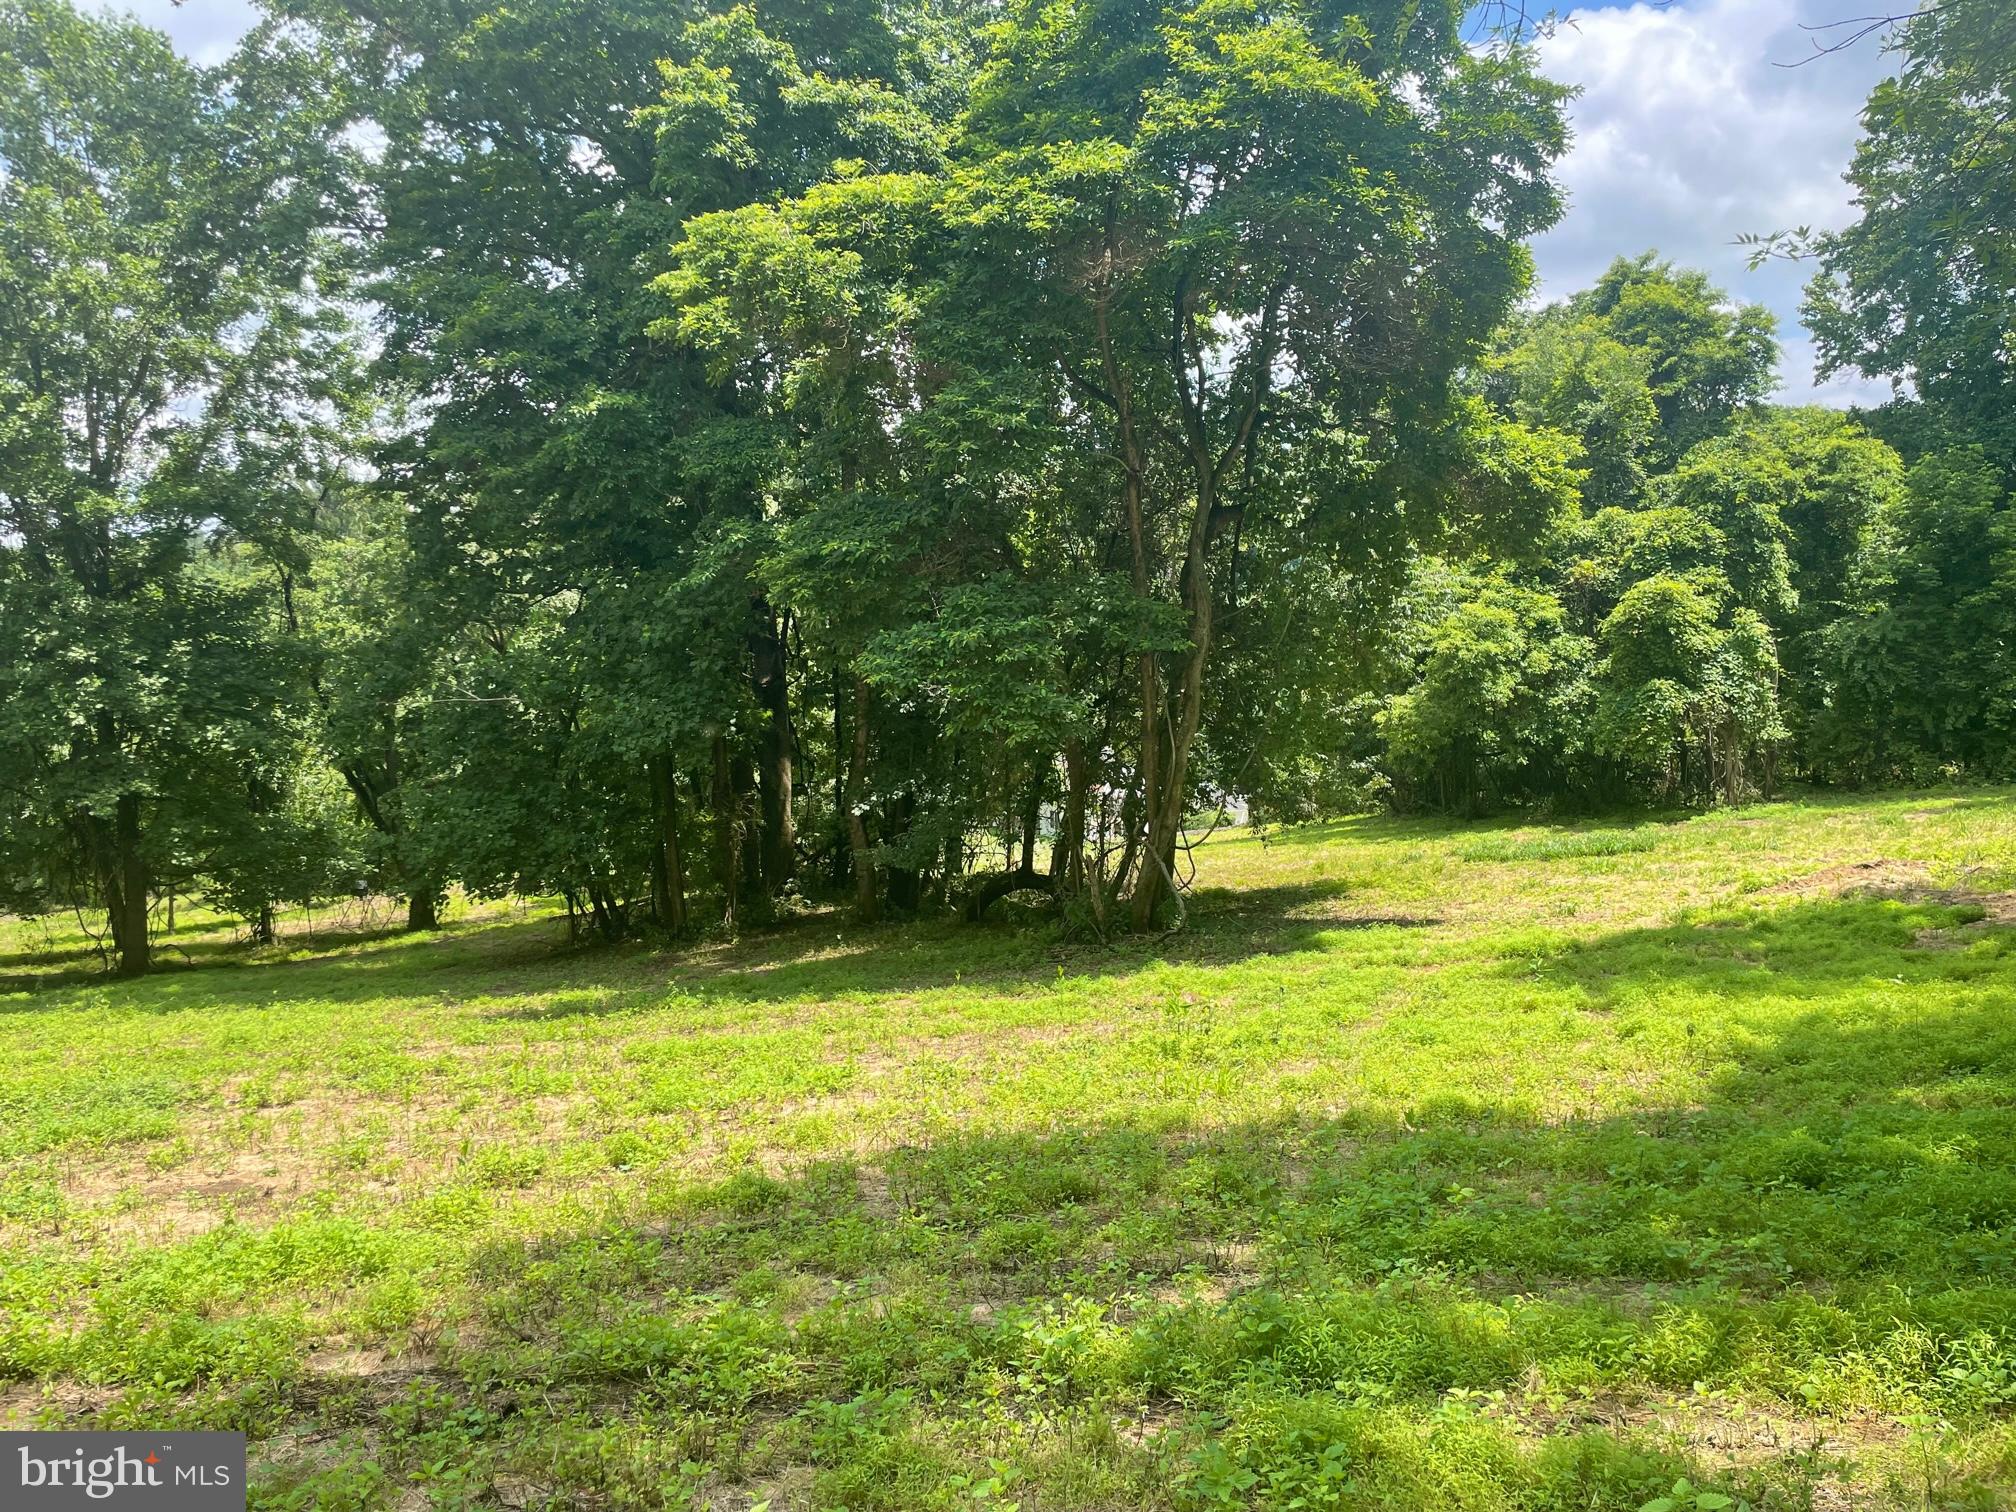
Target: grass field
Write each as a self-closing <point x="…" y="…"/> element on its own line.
<point x="1597" y="1167"/>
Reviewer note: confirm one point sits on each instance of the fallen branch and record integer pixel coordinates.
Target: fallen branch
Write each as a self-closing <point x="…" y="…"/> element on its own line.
<point x="988" y="888"/>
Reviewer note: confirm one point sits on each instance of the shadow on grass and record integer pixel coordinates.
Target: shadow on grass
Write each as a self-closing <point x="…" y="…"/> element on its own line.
<point x="1767" y="948"/>
<point x="1827" y="1230"/>
<point x="1389" y="829"/>
<point x="813" y="958"/>
<point x="820" y="953"/>
<point x="1863" y="1138"/>
<point x="227" y="968"/>
<point x="1747" y="1284"/>
<point x="1748" y="1289"/>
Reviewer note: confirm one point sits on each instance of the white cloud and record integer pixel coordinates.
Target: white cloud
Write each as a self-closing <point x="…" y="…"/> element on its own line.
<point x="204" y="30"/>
<point x="1691" y="130"/>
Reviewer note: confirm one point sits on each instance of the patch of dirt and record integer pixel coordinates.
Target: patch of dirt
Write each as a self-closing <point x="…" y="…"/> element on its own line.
<point x="1713" y="1427"/>
<point x="1883" y="877"/>
<point x="1633" y="1298"/>
<point x="243" y="1185"/>
<point x="1218" y="1272"/>
<point x="1140" y="1429"/>
<point x="975" y="1046"/>
<point x="1960" y="936"/>
<point x="875" y="1194"/>
<point x="23" y="1402"/>
<point x="377" y="1376"/>
<point x="253" y="1163"/>
<point x="813" y="1293"/>
<point x="520" y="1491"/>
<point x="1909" y="882"/>
<point x="791" y="1487"/>
<point x="368" y="1364"/>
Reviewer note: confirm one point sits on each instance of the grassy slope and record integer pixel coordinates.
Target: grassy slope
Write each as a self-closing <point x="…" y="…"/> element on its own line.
<point x="1433" y="1167"/>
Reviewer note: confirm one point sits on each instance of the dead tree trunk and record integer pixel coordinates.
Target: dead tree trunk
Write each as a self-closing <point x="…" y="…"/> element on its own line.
<point x="986" y="890"/>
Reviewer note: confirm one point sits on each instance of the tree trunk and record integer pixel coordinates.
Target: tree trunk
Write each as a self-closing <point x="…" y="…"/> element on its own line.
<point x="865" y="901"/>
<point x="1165" y="786"/>
<point x="903" y="886"/>
<point x="1067" y="860"/>
<point x="1152" y="780"/>
<point x="843" y="851"/>
<point x="1130" y="840"/>
<point x="1165" y="773"/>
<point x="768" y="676"/>
<point x="749" y="870"/>
<point x="611" y="921"/>
<point x="952" y="867"/>
<point x="727" y="834"/>
<point x="423" y="907"/>
<point x="124" y="876"/>
<point x="1155" y="779"/>
<point x="987" y="890"/>
<point x="263" y="932"/>
<point x="668" y="868"/>
<point x="1032" y="815"/>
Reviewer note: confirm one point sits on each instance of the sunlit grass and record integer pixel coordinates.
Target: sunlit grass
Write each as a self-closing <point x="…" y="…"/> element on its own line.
<point x="1431" y="1166"/>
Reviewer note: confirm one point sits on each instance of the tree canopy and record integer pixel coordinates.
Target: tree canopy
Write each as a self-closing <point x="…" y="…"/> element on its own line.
<point x="695" y="460"/>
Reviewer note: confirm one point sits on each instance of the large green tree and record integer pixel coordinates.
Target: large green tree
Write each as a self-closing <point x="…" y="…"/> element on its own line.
<point x="1685" y="633"/>
<point x="1229" y="232"/>
<point x="573" y="479"/>
<point x="1920" y="288"/>
<point x="1238" y="256"/>
<point x="172" y="376"/>
<point x="1707" y="357"/>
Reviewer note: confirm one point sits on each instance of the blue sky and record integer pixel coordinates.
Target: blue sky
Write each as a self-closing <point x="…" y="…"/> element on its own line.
<point x="1690" y="131"/>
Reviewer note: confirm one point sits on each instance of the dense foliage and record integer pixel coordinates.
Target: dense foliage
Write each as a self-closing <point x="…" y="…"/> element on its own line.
<point x="684" y="458"/>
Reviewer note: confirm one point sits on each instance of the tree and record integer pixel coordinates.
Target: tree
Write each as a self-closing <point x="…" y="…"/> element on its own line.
<point x="1919" y="287"/>
<point x="373" y="632"/>
<point x="1500" y="708"/>
<point x="1707" y="358"/>
<point x="1925" y="673"/>
<point x="169" y="364"/>
<point x="1226" y="231"/>
<point x="1567" y="372"/>
<point x="814" y="333"/>
<point x="1686" y="700"/>
<point x="573" y="478"/>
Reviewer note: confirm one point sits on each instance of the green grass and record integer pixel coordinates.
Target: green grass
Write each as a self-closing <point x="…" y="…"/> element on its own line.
<point x="1432" y="1167"/>
<point x="1559" y="845"/>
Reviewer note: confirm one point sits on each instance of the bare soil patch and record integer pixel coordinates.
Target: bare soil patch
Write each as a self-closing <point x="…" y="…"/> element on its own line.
<point x="1882" y="877"/>
<point x="1909" y="882"/>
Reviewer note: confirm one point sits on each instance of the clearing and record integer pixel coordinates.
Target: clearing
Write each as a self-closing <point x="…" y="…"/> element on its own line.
<point x="1432" y="1167"/>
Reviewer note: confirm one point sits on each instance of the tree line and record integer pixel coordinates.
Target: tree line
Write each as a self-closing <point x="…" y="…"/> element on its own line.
<point x="686" y="458"/>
